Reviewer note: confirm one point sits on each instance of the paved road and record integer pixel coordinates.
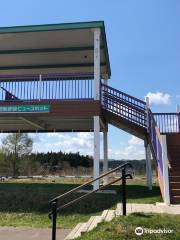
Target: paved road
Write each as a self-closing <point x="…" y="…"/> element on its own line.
<point x="12" y="233"/>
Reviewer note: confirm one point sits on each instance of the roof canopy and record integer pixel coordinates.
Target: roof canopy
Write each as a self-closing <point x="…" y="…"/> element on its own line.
<point x="56" y="48"/>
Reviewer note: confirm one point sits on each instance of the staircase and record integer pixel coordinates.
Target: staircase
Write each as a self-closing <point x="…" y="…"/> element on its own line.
<point x="132" y="115"/>
<point x="108" y="215"/>
<point x="124" y="111"/>
<point x="80" y="228"/>
<point x="173" y="143"/>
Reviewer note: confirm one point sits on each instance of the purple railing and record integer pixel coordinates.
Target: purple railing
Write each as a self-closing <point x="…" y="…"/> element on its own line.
<point x="123" y="105"/>
<point x="154" y="135"/>
<point x="168" y="122"/>
<point x="46" y="87"/>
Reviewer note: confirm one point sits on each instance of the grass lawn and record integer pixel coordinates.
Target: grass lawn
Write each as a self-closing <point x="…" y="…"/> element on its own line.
<point x="26" y="203"/>
<point x="124" y="228"/>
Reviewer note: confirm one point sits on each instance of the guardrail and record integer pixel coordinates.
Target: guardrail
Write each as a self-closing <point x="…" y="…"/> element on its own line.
<point x="46" y="87"/>
<point x="168" y="122"/>
<point x="123" y="105"/>
<point x="155" y="142"/>
<point x="55" y="209"/>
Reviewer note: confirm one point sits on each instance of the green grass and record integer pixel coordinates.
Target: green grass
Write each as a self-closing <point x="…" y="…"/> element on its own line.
<point x="124" y="227"/>
<point x="26" y="203"/>
<point x="40" y="220"/>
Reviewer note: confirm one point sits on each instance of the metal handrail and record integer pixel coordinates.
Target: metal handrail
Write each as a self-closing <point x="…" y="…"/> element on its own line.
<point x="89" y="182"/>
<point x="124" y="105"/>
<point x="125" y="94"/>
<point x="54" y="201"/>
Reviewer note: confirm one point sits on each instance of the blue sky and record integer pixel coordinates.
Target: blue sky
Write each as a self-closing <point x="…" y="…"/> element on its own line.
<point x="144" y="48"/>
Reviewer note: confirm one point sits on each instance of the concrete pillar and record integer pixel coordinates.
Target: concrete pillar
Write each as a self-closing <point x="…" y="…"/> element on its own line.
<point x="105" y="151"/>
<point x="96" y="150"/>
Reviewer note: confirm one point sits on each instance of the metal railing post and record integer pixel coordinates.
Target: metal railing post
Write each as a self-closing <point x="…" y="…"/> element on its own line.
<point x="124" y="191"/>
<point x="54" y="217"/>
<point x="147" y="113"/>
<point x="39" y="87"/>
<point x="178" y="117"/>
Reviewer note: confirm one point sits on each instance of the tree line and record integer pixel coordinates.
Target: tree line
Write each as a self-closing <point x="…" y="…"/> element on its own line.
<point x="17" y="158"/>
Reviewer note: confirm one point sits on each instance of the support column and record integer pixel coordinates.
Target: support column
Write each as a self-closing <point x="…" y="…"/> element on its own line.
<point x="96" y="64"/>
<point x="148" y="151"/>
<point x="96" y="150"/>
<point x="148" y="166"/>
<point x="105" y="149"/>
<point x="165" y="170"/>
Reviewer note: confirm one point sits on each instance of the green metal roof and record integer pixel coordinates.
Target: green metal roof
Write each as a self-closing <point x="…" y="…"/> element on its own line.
<point x="17" y="31"/>
<point x="52" y="27"/>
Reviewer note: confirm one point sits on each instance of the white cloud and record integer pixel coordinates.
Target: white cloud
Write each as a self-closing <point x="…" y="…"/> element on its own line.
<point x="83" y="143"/>
<point x="134" y="149"/>
<point x="135" y="141"/>
<point x="159" y="98"/>
<point x="66" y="142"/>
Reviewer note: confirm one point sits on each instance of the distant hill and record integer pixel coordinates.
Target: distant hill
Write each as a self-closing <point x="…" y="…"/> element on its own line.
<point x="138" y="165"/>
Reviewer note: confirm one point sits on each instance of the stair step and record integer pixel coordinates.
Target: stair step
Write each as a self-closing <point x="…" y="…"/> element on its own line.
<point x="118" y="211"/>
<point x="94" y="223"/>
<point x="110" y="215"/>
<point x="73" y="232"/>
<point x="175" y="162"/>
<point x="175" y="192"/>
<point x="174" y="178"/>
<point x="174" y="174"/>
<point x="88" y="224"/>
<point x="174" y="185"/>
<point x="79" y="231"/>
<point x="104" y="214"/>
<point x="174" y="168"/>
<point x="175" y="199"/>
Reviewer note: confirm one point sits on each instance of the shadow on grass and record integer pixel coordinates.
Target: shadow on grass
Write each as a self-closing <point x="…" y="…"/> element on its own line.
<point x="142" y="215"/>
<point x="34" y="197"/>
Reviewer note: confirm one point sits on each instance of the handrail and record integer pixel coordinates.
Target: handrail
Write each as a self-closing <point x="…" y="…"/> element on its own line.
<point x="89" y="182"/>
<point x="122" y="101"/>
<point x="87" y="194"/>
<point x="124" y="105"/>
<point x="155" y="140"/>
<point x="54" y="201"/>
<point x="125" y="94"/>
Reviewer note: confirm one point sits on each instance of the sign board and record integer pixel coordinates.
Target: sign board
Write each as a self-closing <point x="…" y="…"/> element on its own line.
<point x="30" y="108"/>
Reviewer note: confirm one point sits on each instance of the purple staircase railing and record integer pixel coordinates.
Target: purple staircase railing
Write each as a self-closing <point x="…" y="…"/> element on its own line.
<point x="124" y="105"/>
<point x="155" y="141"/>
